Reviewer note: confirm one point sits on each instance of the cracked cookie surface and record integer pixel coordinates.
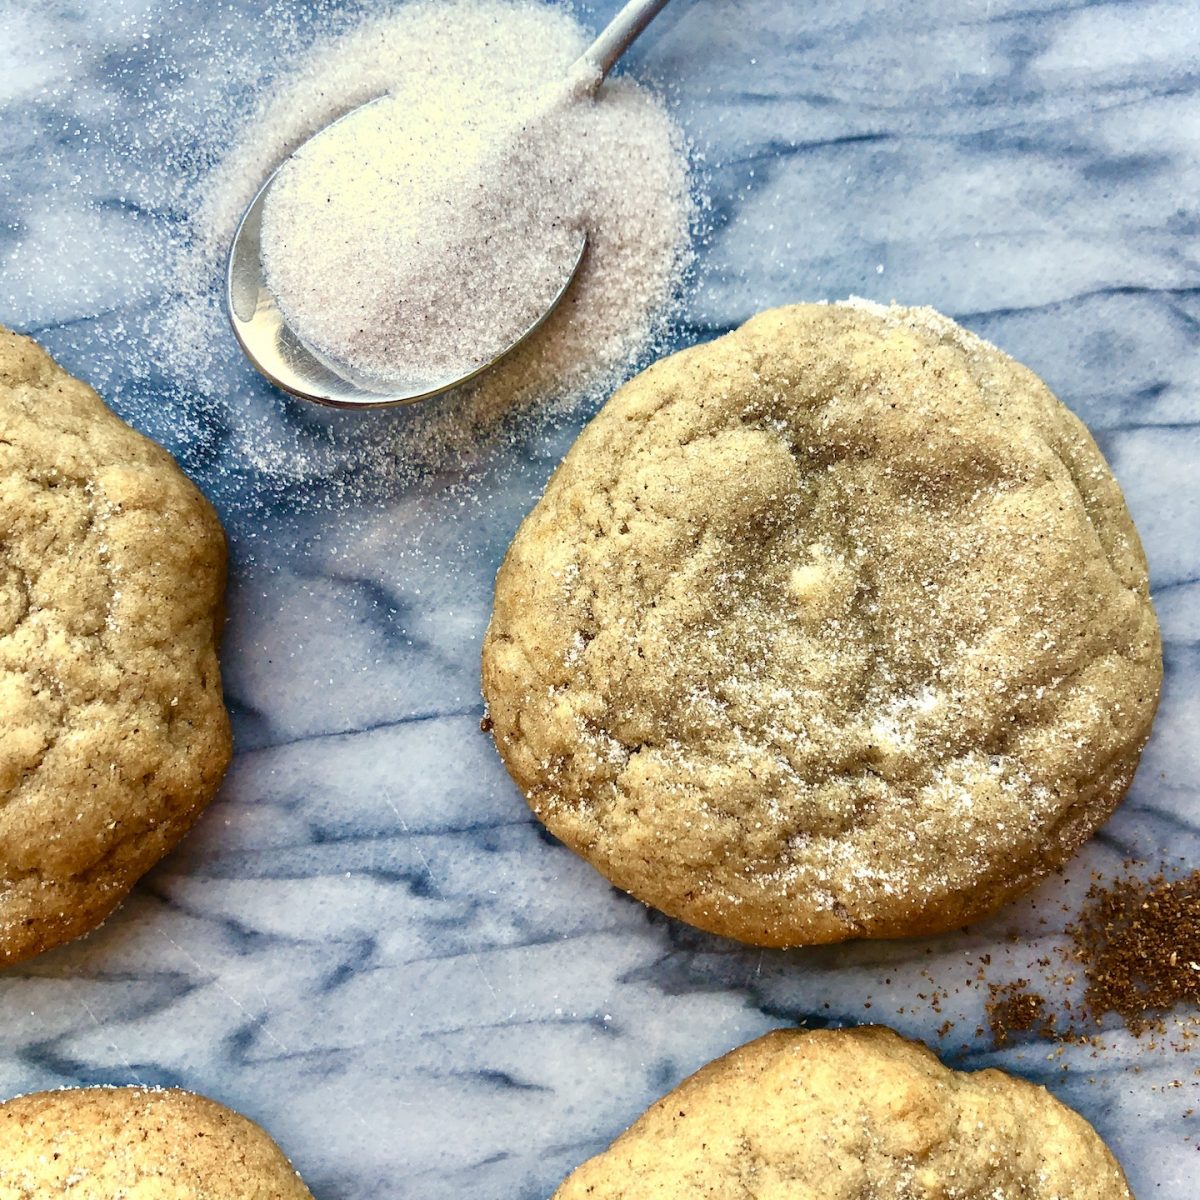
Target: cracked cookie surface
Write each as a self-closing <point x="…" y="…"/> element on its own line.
<point x="835" y="627"/>
<point x="113" y="732"/>
<point x="851" y="1114"/>
<point x="100" y="1143"/>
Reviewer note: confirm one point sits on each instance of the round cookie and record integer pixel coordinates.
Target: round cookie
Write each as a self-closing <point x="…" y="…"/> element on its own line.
<point x="98" y="1143"/>
<point x="851" y="1114"/>
<point x="113" y="733"/>
<point x="835" y="627"/>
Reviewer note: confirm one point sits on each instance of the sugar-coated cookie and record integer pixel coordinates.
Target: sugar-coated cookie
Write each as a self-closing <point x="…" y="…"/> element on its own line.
<point x="851" y="1114"/>
<point x="113" y="733"/>
<point x="137" y="1143"/>
<point x="835" y="627"/>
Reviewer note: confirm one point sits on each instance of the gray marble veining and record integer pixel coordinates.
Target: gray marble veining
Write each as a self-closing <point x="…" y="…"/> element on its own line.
<point x="368" y="944"/>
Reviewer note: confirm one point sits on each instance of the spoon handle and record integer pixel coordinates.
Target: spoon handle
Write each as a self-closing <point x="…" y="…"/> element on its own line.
<point x="619" y="34"/>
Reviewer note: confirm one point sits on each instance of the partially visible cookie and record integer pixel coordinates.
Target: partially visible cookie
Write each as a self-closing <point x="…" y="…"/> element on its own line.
<point x="851" y="1114"/>
<point x="139" y="1143"/>
<point x="113" y="732"/>
<point x="835" y="627"/>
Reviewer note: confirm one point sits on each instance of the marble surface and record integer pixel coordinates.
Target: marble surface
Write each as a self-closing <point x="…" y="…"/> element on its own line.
<point x="368" y="944"/>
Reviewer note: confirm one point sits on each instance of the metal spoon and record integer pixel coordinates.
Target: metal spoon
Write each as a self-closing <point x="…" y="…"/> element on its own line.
<point x="274" y="348"/>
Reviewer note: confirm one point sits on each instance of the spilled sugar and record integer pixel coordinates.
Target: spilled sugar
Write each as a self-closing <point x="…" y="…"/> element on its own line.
<point x="629" y="183"/>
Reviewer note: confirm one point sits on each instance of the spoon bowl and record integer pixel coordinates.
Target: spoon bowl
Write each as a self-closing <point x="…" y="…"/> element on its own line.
<point x="278" y="353"/>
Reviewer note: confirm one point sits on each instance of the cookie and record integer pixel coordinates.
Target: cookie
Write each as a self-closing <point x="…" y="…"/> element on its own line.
<point x="835" y="627"/>
<point x="113" y="733"/>
<point x="851" y="1114"/>
<point x="100" y="1143"/>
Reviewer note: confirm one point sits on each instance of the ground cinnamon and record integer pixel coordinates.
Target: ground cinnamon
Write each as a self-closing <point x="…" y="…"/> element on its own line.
<point x="1139" y="944"/>
<point x="1013" y="1008"/>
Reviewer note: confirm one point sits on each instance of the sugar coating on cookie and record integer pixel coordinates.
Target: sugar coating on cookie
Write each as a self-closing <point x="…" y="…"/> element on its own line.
<point x="835" y="627"/>
<point x="113" y="732"/>
<point x="152" y="1144"/>
<point x="851" y="1114"/>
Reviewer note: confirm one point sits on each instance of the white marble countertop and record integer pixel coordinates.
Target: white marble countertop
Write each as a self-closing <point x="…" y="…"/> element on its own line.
<point x="368" y="944"/>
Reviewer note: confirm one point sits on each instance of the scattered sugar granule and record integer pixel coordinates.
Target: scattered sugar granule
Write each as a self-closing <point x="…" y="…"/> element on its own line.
<point x="626" y="167"/>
